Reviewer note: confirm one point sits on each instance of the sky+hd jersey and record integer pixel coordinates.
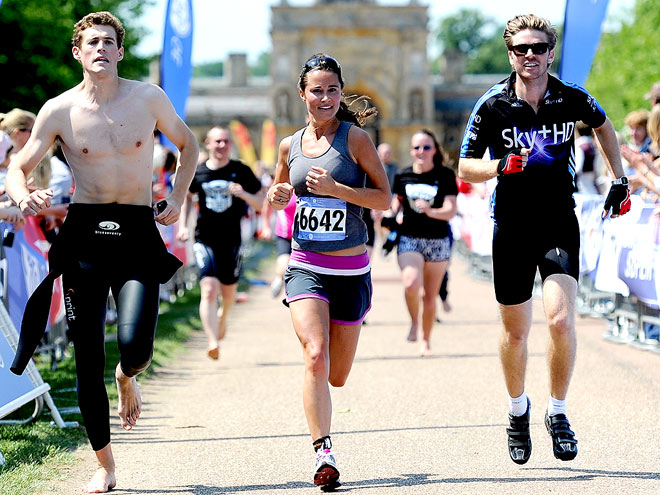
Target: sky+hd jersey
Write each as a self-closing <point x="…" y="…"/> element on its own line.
<point x="500" y="122"/>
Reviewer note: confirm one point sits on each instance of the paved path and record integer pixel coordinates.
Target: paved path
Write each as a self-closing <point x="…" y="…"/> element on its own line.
<point x="402" y="424"/>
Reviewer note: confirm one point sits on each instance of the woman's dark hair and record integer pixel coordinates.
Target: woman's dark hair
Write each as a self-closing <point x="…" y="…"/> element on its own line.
<point x="440" y="156"/>
<point x="321" y="61"/>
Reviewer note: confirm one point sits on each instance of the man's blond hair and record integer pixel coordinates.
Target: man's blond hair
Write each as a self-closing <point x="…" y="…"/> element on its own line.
<point x="98" y="19"/>
<point x="529" y="21"/>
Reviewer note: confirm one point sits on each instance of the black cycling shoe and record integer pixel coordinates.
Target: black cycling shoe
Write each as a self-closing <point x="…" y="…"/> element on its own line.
<point x="564" y="444"/>
<point x="520" y="443"/>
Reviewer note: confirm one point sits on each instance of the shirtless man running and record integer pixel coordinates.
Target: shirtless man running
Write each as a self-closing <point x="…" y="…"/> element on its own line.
<point x="109" y="239"/>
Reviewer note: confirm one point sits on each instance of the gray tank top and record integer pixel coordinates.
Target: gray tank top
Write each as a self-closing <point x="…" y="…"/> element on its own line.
<point x="324" y="223"/>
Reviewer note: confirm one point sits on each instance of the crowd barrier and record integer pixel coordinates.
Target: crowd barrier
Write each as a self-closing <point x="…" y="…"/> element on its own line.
<point x="619" y="258"/>
<point x="23" y="264"/>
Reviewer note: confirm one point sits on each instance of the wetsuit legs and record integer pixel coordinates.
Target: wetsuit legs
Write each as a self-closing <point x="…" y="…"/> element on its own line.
<point x="86" y="295"/>
<point x="137" y="308"/>
<point x="85" y="301"/>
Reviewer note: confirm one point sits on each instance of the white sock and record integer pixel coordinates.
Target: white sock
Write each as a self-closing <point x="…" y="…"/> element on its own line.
<point x="556" y="406"/>
<point x="518" y="405"/>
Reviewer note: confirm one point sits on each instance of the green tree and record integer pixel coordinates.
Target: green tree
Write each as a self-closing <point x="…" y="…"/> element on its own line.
<point x="627" y="63"/>
<point x="35" y="47"/>
<point x="480" y="38"/>
<point x="464" y="31"/>
<point x="209" y="69"/>
<point x="490" y="58"/>
<point x="262" y="67"/>
<point x="477" y="36"/>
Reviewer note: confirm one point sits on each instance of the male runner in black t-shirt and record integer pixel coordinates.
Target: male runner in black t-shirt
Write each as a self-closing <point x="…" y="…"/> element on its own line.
<point x="224" y="188"/>
<point x="527" y="123"/>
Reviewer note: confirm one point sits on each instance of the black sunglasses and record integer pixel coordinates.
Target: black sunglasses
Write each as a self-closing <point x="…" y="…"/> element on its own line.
<point x="537" y="49"/>
<point x="322" y="61"/>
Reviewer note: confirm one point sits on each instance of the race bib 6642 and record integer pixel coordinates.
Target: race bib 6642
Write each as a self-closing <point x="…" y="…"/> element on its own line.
<point x="321" y="219"/>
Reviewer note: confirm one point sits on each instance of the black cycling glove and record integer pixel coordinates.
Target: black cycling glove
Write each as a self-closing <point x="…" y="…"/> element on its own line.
<point x="618" y="199"/>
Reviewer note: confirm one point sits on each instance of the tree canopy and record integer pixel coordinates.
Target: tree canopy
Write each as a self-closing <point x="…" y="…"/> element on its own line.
<point x="479" y="37"/>
<point x="262" y="66"/>
<point x="627" y="62"/>
<point x="464" y="31"/>
<point x="35" y="47"/>
<point x="209" y="69"/>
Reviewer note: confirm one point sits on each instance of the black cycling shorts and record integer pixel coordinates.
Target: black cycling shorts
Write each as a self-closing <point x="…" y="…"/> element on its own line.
<point x="222" y="261"/>
<point x="551" y="245"/>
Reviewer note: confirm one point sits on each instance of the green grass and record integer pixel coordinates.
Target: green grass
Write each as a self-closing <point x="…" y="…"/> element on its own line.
<point x="34" y="453"/>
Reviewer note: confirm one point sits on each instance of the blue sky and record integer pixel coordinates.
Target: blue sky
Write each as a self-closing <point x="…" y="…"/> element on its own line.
<point x="226" y="26"/>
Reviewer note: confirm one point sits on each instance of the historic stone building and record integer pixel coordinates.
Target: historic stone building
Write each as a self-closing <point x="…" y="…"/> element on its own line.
<point x="383" y="54"/>
<point x="382" y="51"/>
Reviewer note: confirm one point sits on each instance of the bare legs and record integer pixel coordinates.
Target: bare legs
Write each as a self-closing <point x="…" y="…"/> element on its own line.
<point x="228" y="293"/>
<point x="417" y="274"/>
<point x="329" y="350"/>
<point x="214" y="320"/>
<point x="412" y="266"/>
<point x="516" y="322"/>
<point x="559" y="293"/>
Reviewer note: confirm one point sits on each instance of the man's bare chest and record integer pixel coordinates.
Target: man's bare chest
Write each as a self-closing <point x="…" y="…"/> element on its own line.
<point x="99" y="133"/>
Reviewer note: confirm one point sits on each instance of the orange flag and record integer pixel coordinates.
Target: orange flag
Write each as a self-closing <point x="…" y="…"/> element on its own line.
<point x="268" y="152"/>
<point x="244" y="142"/>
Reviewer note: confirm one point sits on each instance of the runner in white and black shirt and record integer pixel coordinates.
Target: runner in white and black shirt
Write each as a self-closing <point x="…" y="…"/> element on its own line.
<point x="225" y="188"/>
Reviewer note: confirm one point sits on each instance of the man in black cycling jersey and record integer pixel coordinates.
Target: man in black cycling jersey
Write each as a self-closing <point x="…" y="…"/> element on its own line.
<point x="527" y="122"/>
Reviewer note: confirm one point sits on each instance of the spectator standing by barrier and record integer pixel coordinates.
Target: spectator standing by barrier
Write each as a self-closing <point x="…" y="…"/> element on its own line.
<point x="426" y="194"/>
<point x="8" y="211"/>
<point x="224" y="188"/>
<point x="17" y="124"/>
<point x="526" y="123"/>
<point x="6" y="149"/>
<point x="653" y="128"/>
<point x="634" y="152"/>
<point x="109" y="239"/>
<point x="328" y="282"/>
<point x="643" y="162"/>
<point x="636" y="122"/>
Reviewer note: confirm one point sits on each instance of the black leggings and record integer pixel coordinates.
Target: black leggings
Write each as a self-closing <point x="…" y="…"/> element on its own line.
<point x="85" y="297"/>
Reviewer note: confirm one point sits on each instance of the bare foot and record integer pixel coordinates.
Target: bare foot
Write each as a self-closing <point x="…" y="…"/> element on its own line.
<point x="412" y="334"/>
<point x="213" y="352"/>
<point x="446" y="306"/>
<point x="130" y="400"/>
<point x="222" y="324"/>
<point x="425" y="349"/>
<point x="102" y="481"/>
